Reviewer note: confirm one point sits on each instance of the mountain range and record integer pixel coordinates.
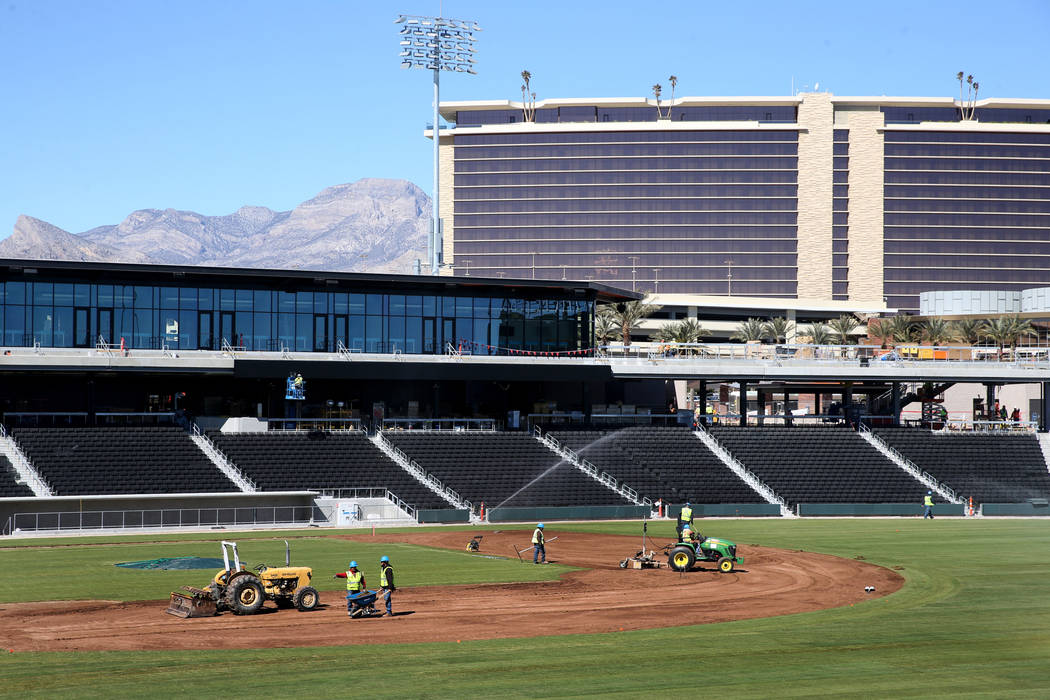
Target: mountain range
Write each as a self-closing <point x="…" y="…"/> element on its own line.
<point x="372" y="225"/>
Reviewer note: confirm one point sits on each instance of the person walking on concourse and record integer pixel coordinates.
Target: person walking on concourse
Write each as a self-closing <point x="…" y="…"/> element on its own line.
<point x="386" y="582"/>
<point x="539" y="553"/>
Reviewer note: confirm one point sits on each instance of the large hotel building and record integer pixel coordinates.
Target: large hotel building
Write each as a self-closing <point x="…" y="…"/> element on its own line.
<point x="859" y="202"/>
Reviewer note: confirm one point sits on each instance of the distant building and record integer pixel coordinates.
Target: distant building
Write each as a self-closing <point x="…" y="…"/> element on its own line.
<point x="868" y="200"/>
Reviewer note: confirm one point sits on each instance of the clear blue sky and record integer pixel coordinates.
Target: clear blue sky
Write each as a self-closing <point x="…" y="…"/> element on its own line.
<point x="114" y="105"/>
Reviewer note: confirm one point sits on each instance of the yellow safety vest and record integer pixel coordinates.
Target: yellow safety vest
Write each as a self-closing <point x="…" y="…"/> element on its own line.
<point x="927" y="501"/>
<point x="382" y="575"/>
<point x="537" y="537"/>
<point x="353" y="581"/>
<point x="686" y="516"/>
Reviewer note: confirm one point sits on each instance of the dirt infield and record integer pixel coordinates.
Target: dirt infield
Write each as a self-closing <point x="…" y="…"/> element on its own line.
<point x="601" y="598"/>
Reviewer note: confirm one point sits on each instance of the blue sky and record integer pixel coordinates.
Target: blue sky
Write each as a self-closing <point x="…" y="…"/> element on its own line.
<point x="110" y="106"/>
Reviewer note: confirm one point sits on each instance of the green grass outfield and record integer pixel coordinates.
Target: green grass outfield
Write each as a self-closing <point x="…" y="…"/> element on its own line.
<point x="973" y="620"/>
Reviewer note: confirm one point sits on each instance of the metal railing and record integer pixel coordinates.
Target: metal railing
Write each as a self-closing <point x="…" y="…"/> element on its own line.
<point x="911" y="466"/>
<point x="590" y="468"/>
<point x="422" y="475"/>
<point x="303" y="425"/>
<point x="749" y="476"/>
<point x="369" y="492"/>
<point x="487" y="425"/>
<point x="24" y="466"/>
<point x="242" y="516"/>
<point x="224" y="463"/>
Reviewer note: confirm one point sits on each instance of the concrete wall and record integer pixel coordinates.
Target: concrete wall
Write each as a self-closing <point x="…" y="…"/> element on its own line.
<point x="970" y="301"/>
<point x="815" y="161"/>
<point x="865" y="206"/>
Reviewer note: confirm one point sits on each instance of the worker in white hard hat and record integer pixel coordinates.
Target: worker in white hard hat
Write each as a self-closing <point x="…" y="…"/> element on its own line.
<point x="539" y="554"/>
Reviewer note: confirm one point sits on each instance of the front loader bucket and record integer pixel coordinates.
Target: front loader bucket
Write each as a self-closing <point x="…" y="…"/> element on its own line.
<point x="195" y="602"/>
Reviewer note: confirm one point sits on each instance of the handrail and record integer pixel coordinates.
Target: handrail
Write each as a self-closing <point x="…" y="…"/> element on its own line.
<point x="912" y="466"/>
<point x="355" y="492"/>
<point x="225" y="464"/>
<point x="590" y="469"/>
<point x="750" y="476"/>
<point x="413" y="467"/>
<point x="34" y="479"/>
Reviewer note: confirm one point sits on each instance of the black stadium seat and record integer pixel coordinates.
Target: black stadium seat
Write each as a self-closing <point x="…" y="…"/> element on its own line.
<point x="990" y="467"/>
<point x="508" y="469"/>
<point x="89" y="461"/>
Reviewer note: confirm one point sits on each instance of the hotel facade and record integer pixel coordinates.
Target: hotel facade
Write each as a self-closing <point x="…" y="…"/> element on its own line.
<point x="862" y="202"/>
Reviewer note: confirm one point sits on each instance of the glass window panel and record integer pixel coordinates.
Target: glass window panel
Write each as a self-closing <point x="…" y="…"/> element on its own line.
<point x="374" y="304"/>
<point x="143" y="296"/>
<point x="320" y="302"/>
<point x="261" y="332"/>
<point x="43" y="293"/>
<point x="357" y="333"/>
<point x="286" y="330"/>
<point x="341" y="303"/>
<point x="142" y="328"/>
<point x="286" y="302"/>
<point x="397" y="334"/>
<point x="205" y="299"/>
<point x="188" y="299"/>
<point x="169" y="297"/>
<point x="481" y="337"/>
<point x="414" y="334"/>
<point x="304" y="304"/>
<point x="16" y="292"/>
<point x="62" y="332"/>
<point x="188" y="326"/>
<point x="63" y="294"/>
<point x="227" y="299"/>
<point x="244" y="298"/>
<point x="429" y="306"/>
<point x="464" y="307"/>
<point x="357" y="304"/>
<point x="43" y="324"/>
<point x="15" y="325"/>
<point x="374" y="334"/>
<point x="244" y="325"/>
<point x="397" y="304"/>
<point x="413" y="306"/>
<point x="304" y="332"/>
<point x="448" y="307"/>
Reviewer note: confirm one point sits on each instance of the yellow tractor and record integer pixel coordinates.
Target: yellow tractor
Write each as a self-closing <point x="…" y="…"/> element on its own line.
<point x="243" y="591"/>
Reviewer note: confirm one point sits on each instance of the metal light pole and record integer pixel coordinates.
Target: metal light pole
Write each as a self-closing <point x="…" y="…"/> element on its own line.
<point x="729" y="276"/>
<point x="437" y="44"/>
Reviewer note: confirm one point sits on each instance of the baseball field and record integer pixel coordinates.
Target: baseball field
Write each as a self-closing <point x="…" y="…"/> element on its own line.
<point x="959" y="608"/>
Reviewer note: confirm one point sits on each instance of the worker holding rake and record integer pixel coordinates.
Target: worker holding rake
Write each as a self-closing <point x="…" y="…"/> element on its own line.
<point x="539" y="553"/>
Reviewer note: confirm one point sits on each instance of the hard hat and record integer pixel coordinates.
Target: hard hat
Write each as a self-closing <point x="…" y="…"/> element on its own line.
<point x="688" y="504"/>
<point x="353" y="565"/>
<point x="539" y="525"/>
<point x="929" y="493"/>
<point x="384" y="558"/>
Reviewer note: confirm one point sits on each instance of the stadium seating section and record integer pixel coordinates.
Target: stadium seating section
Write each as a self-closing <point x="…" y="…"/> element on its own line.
<point x="819" y="464"/>
<point x="991" y="468"/>
<point x="508" y="469"/>
<point x="667" y="463"/>
<point x="280" y="461"/>
<point x="90" y="461"/>
<point x="9" y="486"/>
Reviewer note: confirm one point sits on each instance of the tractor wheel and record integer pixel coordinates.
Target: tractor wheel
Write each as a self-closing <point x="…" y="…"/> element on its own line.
<point x="244" y="595"/>
<point x="623" y="564"/>
<point x="725" y="565"/>
<point x="306" y="598"/>
<point x="681" y="558"/>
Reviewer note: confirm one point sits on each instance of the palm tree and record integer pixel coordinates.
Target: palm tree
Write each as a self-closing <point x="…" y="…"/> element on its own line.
<point x="628" y="315"/>
<point x="882" y="329"/>
<point x="528" y="98"/>
<point x="936" y="331"/>
<point x="902" y="328"/>
<point x="819" y="334"/>
<point x="968" y="330"/>
<point x="605" y="328"/>
<point x="674" y="83"/>
<point x="842" y="328"/>
<point x="750" y="330"/>
<point x="688" y="331"/>
<point x="657" y="89"/>
<point x="1000" y="331"/>
<point x="779" y="328"/>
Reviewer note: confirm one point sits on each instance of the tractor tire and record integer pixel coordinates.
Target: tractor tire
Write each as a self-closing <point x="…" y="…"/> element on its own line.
<point x="306" y="598"/>
<point x="623" y="564"/>
<point x="725" y="565"/>
<point x="244" y="595"/>
<point x="681" y="558"/>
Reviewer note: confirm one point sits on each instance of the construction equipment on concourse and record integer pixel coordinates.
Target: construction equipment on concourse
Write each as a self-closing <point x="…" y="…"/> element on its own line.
<point x="642" y="559"/>
<point x="243" y="592"/>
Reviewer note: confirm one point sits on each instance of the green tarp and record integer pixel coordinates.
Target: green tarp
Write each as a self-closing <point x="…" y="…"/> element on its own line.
<point x="179" y="563"/>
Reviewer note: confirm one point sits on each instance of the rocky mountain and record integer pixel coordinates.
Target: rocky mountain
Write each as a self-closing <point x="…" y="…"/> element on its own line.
<point x="371" y="225"/>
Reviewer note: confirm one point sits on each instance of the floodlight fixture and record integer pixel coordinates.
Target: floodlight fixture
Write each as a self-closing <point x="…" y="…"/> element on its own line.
<point x="437" y="44"/>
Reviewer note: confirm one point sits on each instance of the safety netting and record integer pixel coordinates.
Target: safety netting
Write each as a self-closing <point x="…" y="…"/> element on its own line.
<point x="180" y="563"/>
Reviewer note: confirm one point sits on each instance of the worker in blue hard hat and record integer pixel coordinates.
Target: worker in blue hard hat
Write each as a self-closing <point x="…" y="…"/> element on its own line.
<point x="685" y="517"/>
<point x="355" y="584"/>
<point x="927" y="504"/>
<point x="386" y="582"/>
<point x="539" y="553"/>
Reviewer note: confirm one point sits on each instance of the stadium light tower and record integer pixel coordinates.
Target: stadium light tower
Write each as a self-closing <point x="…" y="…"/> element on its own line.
<point x="437" y="44"/>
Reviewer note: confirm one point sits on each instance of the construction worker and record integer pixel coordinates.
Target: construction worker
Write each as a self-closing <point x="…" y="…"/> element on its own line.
<point x="927" y="503"/>
<point x="355" y="583"/>
<point x="386" y="582"/>
<point x="538" y="550"/>
<point x="685" y="517"/>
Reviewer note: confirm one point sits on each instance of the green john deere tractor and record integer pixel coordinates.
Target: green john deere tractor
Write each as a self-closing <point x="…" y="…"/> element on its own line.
<point x="683" y="555"/>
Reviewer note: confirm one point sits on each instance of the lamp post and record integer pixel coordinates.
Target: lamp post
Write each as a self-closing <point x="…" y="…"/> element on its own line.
<point x="437" y="44"/>
<point x="729" y="278"/>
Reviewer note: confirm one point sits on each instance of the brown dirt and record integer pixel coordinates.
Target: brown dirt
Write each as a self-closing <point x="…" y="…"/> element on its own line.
<point x="601" y="598"/>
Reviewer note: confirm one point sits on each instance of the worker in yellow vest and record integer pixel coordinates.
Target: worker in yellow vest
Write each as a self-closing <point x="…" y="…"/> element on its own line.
<point x="386" y="582"/>
<point x="927" y="503"/>
<point x="539" y="551"/>
<point x="685" y="519"/>
<point x="355" y="583"/>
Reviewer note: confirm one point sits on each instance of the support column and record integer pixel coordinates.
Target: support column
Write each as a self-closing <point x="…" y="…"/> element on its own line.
<point x="787" y="409"/>
<point x="816" y="404"/>
<point x="989" y="399"/>
<point x="1044" y="414"/>
<point x="701" y="401"/>
<point x="895" y="392"/>
<point x="743" y="402"/>
<point x="761" y="407"/>
<point x="847" y="401"/>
